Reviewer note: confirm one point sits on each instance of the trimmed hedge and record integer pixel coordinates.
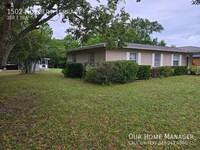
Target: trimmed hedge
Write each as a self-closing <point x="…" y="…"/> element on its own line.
<point x="73" y="70"/>
<point x="165" y="71"/>
<point x="112" y="72"/>
<point x="154" y="72"/>
<point x="144" y="72"/>
<point x="180" y="70"/>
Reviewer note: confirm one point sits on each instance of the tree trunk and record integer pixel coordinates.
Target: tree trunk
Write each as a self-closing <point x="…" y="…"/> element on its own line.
<point x="4" y="53"/>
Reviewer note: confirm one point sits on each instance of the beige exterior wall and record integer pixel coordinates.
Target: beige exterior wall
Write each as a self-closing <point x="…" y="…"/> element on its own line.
<point x="120" y="54"/>
<point x="82" y="56"/>
<point x="146" y="56"/>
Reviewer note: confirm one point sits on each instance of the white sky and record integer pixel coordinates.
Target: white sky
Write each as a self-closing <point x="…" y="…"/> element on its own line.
<point x="180" y="19"/>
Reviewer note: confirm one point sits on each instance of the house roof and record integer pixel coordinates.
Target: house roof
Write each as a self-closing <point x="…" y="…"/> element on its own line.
<point x="191" y="49"/>
<point x="196" y="55"/>
<point x="185" y="49"/>
<point x="100" y="45"/>
<point x="153" y="47"/>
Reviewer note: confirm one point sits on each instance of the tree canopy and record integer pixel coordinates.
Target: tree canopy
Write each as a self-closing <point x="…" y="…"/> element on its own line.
<point x="20" y="17"/>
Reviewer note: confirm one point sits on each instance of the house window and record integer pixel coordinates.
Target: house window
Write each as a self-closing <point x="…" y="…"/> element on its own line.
<point x="74" y="58"/>
<point x="175" y="59"/>
<point x="157" y="60"/>
<point x="91" y="58"/>
<point x="133" y="57"/>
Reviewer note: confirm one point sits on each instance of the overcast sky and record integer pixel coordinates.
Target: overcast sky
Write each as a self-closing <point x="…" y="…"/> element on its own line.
<point x="180" y="19"/>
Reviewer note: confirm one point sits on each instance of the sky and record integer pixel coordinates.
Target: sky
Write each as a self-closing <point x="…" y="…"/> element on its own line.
<point x="180" y="19"/>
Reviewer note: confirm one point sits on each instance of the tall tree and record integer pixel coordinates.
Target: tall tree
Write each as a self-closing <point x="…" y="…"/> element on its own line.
<point x="33" y="48"/>
<point x="79" y="13"/>
<point x="56" y="53"/>
<point x="143" y="31"/>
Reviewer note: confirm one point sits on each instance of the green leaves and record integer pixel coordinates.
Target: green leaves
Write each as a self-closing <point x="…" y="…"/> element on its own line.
<point x="143" y="31"/>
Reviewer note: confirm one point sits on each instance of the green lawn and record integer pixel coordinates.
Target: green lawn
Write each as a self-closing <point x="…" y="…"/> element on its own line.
<point x="47" y="111"/>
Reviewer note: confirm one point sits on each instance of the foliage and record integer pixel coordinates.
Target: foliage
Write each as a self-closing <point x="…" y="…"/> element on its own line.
<point x="70" y="42"/>
<point x="180" y="70"/>
<point x="165" y="71"/>
<point x="73" y="70"/>
<point x="143" y="31"/>
<point x="136" y="30"/>
<point x="196" y="2"/>
<point x="101" y="73"/>
<point x="112" y="72"/>
<point x="56" y="53"/>
<point x="143" y="72"/>
<point x="124" y="71"/>
<point x="94" y="38"/>
<point x="194" y="70"/>
<point x="82" y="16"/>
<point x="154" y="72"/>
<point x="29" y="51"/>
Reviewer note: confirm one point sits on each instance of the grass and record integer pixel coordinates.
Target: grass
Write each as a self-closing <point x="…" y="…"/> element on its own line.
<point x="47" y="111"/>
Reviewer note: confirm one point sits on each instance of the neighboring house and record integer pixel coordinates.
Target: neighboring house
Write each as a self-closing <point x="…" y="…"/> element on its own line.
<point x="196" y="60"/>
<point x="196" y="54"/>
<point x="141" y="53"/>
<point x="42" y="64"/>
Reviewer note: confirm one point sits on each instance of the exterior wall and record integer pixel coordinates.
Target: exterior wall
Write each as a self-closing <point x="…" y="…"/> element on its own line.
<point x="117" y="54"/>
<point x="146" y="56"/>
<point x="82" y="56"/>
<point x="196" y="61"/>
<point x="121" y="54"/>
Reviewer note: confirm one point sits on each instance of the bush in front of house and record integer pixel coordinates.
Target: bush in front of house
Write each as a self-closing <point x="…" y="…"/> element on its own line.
<point x="194" y="70"/>
<point x="73" y="70"/>
<point x="144" y="72"/>
<point x="165" y="71"/>
<point x="153" y="72"/>
<point x="124" y="71"/>
<point x="112" y="72"/>
<point x="180" y="70"/>
<point x="100" y="73"/>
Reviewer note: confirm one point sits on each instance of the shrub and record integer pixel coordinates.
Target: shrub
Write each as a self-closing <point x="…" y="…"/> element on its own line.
<point x="180" y="70"/>
<point x="194" y="70"/>
<point x="154" y="72"/>
<point x="143" y="72"/>
<point x="165" y="71"/>
<point x="101" y="73"/>
<point x="73" y="70"/>
<point x="112" y="72"/>
<point x="124" y="71"/>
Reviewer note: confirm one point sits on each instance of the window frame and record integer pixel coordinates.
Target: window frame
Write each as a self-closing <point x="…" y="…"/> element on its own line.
<point x="73" y="57"/>
<point x="176" y="60"/>
<point x="91" y="60"/>
<point x="136" y="56"/>
<point x="159" y="63"/>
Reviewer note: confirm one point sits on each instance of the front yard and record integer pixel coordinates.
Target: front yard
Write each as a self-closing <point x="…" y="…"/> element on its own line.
<point x="48" y="111"/>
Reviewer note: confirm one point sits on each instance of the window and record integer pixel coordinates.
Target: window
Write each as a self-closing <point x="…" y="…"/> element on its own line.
<point x="157" y="60"/>
<point x="43" y="62"/>
<point x="133" y="57"/>
<point x="74" y="58"/>
<point x="91" y="58"/>
<point x="175" y="59"/>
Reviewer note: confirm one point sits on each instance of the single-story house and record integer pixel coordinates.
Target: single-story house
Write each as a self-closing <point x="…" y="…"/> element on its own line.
<point x="141" y="53"/>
